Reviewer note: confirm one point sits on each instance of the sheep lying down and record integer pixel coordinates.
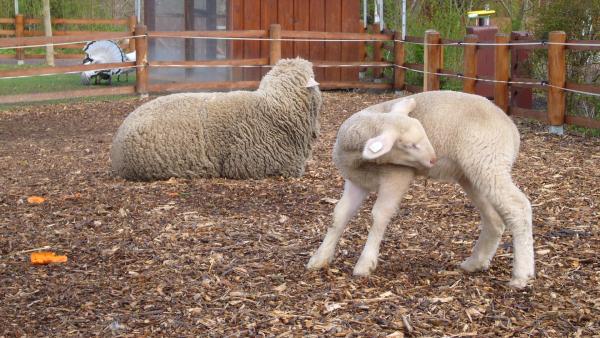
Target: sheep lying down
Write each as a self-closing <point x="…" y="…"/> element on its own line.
<point x="239" y="134"/>
<point x="383" y="147"/>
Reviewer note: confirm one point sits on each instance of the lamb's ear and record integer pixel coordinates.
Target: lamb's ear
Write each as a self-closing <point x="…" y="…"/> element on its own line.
<point x="311" y="82"/>
<point x="404" y="106"/>
<point x="378" y="146"/>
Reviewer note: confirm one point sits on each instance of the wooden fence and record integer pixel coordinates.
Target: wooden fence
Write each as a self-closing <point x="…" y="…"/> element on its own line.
<point x="25" y="27"/>
<point x="433" y="70"/>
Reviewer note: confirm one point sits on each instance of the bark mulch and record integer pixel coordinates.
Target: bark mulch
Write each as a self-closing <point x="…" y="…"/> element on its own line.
<point x="218" y="257"/>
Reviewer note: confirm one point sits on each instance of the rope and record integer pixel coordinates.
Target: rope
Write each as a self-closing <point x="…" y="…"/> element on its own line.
<point x="73" y="72"/>
<point x="461" y="76"/>
<point x="270" y="66"/>
<point x="266" y="39"/>
<point x="459" y="43"/>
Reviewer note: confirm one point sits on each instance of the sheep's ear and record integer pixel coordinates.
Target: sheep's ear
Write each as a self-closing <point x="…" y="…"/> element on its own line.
<point x="404" y="106"/>
<point x="378" y="146"/>
<point x="311" y="82"/>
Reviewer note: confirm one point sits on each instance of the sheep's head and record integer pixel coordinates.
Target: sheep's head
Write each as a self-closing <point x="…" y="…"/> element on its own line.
<point x="290" y="72"/>
<point x="402" y="141"/>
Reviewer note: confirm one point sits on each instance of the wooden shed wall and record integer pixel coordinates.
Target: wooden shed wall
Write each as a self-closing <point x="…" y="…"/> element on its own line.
<point x="304" y="15"/>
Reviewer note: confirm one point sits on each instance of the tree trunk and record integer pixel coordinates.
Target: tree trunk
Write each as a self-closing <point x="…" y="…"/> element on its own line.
<point x="48" y="32"/>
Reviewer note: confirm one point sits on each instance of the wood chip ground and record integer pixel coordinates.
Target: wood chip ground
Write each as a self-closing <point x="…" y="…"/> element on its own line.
<point x="218" y="257"/>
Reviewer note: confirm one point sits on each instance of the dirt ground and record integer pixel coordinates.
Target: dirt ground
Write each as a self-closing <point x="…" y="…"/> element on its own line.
<point x="217" y="257"/>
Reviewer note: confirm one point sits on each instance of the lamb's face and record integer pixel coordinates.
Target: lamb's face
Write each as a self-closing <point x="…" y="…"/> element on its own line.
<point x="403" y="141"/>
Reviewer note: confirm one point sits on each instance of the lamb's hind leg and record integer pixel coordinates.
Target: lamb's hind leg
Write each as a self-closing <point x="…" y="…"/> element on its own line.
<point x="491" y="226"/>
<point x="392" y="188"/>
<point x="515" y="209"/>
<point x="345" y="209"/>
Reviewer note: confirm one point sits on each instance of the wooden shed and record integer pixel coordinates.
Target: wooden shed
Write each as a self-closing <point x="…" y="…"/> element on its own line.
<point x="299" y="15"/>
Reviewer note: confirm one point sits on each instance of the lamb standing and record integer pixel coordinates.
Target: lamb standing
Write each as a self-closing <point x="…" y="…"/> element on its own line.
<point x="476" y="144"/>
<point x="238" y="134"/>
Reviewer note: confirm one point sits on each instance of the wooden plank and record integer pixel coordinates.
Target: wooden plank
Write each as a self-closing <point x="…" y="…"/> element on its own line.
<point x="10" y="21"/>
<point x="333" y="50"/>
<point x="189" y="86"/>
<point x="188" y="24"/>
<point x="377" y="51"/>
<point x="415" y="66"/>
<point x="433" y="60"/>
<point x="285" y="13"/>
<point x="150" y="14"/>
<point x="116" y="22"/>
<point x="62" y="69"/>
<point x="252" y="33"/>
<point x="252" y="48"/>
<point x="19" y="33"/>
<point x="413" y="39"/>
<point x="141" y="59"/>
<point x="232" y="62"/>
<point x="28" y="41"/>
<point x="7" y="32"/>
<point x="399" y="54"/>
<point x="57" y="56"/>
<point x="317" y="23"/>
<point x="502" y="72"/>
<point x="413" y="88"/>
<point x="596" y="44"/>
<point x="64" y="21"/>
<point x="60" y="33"/>
<point x="557" y="76"/>
<point x="123" y="90"/>
<point x="302" y="22"/>
<point x="350" y="24"/>
<point x="582" y="121"/>
<point x="584" y="87"/>
<point x="268" y="16"/>
<point x="236" y="22"/>
<point x="275" y="45"/>
<point x="470" y="64"/>
<point x="318" y="63"/>
<point x="529" y="113"/>
<point x="354" y="84"/>
<point x="335" y="35"/>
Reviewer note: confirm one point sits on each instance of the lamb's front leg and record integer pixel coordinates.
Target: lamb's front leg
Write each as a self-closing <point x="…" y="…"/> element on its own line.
<point x="345" y="209"/>
<point x="392" y="187"/>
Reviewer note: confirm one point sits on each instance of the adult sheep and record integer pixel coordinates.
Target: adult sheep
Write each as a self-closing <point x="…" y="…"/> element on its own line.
<point x="239" y="134"/>
<point x="476" y="145"/>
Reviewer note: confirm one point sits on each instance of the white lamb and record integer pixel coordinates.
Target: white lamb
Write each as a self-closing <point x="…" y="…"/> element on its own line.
<point x="476" y="144"/>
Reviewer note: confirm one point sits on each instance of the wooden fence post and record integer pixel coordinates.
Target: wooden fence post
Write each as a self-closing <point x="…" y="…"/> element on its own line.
<point x="377" y="52"/>
<point x="502" y="72"/>
<point x="399" y="73"/>
<point x="275" y="46"/>
<point x="19" y="33"/>
<point x="433" y="58"/>
<point x="141" y="60"/>
<point x="557" y="70"/>
<point x="470" y="63"/>
<point x="131" y="23"/>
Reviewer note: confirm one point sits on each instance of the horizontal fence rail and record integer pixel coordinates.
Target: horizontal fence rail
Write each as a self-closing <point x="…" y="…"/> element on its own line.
<point x="432" y="70"/>
<point x="25" y="27"/>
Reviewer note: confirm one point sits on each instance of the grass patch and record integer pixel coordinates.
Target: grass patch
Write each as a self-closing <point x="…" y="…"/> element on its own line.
<point x="49" y="83"/>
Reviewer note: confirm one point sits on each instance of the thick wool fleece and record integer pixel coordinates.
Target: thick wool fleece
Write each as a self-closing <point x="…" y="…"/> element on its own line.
<point x="467" y="132"/>
<point x="238" y="134"/>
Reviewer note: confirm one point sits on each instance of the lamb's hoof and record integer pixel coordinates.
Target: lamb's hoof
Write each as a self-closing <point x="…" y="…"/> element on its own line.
<point x="472" y="265"/>
<point x="317" y="262"/>
<point x="365" y="266"/>
<point x="519" y="283"/>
